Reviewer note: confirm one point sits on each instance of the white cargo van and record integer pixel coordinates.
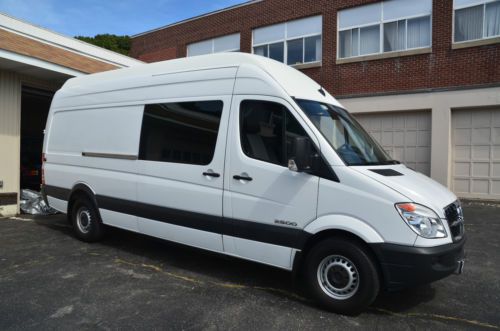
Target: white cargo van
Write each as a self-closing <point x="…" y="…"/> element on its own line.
<point x="242" y="155"/>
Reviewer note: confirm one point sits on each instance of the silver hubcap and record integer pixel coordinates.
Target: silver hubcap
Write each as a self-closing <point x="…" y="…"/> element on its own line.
<point x="338" y="277"/>
<point x="83" y="220"/>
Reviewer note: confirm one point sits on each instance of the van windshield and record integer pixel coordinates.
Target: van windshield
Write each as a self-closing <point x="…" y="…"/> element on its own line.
<point x="347" y="137"/>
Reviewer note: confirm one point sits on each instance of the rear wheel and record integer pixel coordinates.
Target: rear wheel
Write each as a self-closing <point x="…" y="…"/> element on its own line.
<point x="86" y="221"/>
<point x="342" y="275"/>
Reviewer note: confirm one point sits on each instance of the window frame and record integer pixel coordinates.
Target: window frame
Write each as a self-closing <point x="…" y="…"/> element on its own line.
<point x="482" y="3"/>
<point x="324" y="171"/>
<point x="381" y="24"/>
<point x="212" y="41"/>
<point x="283" y="128"/>
<point x="286" y="39"/>
<point x="286" y="110"/>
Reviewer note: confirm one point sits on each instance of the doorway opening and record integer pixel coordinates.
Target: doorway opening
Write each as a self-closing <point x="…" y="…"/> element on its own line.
<point x="35" y="105"/>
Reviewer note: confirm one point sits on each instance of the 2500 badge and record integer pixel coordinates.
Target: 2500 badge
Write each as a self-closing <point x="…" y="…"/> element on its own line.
<point x="283" y="222"/>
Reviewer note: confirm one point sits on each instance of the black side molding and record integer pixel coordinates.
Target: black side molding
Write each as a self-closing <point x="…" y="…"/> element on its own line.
<point x="251" y="230"/>
<point x="57" y="192"/>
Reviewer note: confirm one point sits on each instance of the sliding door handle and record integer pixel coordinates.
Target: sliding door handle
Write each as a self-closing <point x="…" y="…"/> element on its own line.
<point x="211" y="174"/>
<point x="245" y="178"/>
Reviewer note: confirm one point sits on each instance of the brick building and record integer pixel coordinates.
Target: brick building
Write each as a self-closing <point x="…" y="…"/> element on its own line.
<point x="34" y="63"/>
<point x="422" y="76"/>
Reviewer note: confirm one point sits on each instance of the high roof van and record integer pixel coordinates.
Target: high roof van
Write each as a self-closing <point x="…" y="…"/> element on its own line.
<point x="245" y="156"/>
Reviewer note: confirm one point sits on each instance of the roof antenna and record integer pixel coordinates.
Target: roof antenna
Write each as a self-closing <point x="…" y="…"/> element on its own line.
<point x="322" y="91"/>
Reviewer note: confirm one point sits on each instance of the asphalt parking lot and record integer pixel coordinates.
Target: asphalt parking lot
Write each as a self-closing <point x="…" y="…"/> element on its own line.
<point x="50" y="280"/>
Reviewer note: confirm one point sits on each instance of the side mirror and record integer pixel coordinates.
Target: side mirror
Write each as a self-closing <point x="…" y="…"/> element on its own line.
<point x="302" y="152"/>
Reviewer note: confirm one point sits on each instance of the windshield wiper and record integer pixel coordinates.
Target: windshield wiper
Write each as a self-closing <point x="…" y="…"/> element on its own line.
<point x="374" y="163"/>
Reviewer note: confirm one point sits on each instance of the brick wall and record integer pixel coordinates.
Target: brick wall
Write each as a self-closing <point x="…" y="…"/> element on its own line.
<point x="443" y="68"/>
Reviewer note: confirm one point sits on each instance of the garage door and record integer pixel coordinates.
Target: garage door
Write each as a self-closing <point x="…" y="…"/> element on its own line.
<point x="476" y="153"/>
<point x="405" y="136"/>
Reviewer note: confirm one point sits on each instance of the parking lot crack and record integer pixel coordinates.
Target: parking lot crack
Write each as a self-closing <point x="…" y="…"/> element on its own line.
<point x="160" y="270"/>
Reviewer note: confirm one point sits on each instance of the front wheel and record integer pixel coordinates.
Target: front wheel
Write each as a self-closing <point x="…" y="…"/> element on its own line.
<point x="342" y="275"/>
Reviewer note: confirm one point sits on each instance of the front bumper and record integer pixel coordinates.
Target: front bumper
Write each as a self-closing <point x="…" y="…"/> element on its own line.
<point x="407" y="266"/>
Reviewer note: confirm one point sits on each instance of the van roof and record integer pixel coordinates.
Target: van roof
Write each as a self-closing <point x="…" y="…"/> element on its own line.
<point x="294" y="82"/>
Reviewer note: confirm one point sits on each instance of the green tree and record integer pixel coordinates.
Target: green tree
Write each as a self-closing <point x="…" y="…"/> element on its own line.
<point x="119" y="44"/>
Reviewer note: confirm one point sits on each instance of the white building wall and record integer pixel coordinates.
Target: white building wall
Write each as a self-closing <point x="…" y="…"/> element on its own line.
<point x="10" y="126"/>
<point x="10" y="130"/>
<point x="441" y="104"/>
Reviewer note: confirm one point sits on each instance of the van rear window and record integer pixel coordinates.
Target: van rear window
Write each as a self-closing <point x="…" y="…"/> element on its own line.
<point x="182" y="132"/>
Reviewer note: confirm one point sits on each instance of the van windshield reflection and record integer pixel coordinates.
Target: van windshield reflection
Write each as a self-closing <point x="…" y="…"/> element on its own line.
<point x="347" y="137"/>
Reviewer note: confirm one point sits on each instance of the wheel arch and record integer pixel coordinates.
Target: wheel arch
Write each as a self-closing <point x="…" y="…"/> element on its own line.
<point x="345" y="223"/>
<point x="80" y="189"/>
<point x="338" y="226"/>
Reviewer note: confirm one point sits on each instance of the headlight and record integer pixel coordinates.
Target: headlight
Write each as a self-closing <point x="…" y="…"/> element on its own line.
<point x="424" y="221"/>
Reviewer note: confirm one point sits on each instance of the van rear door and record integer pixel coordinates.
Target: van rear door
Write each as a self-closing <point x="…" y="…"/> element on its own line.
<point x="181" y="163"/>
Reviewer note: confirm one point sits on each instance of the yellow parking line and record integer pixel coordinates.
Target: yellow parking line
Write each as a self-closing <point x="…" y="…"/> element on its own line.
<point x="437" y="316"/>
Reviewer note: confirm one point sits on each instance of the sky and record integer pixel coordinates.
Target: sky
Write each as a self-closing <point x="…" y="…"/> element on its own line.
<point x="120" y="17"/>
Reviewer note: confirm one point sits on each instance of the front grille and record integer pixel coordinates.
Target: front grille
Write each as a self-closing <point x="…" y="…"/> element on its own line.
<point x="455" y="218"/>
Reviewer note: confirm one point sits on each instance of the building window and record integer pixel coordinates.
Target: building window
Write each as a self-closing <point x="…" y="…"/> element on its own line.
<point x="294" y="42"/>
<point x="229" y="43"/>
<point x="388" y="26"/>
<point x="476" y="19"/>
<point x="183" y="132"/>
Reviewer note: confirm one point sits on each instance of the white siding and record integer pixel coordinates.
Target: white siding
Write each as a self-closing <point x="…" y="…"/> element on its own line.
<point x="10" y="125"/>
<point x="476" y="153"/>
<point x="406" y="136"/>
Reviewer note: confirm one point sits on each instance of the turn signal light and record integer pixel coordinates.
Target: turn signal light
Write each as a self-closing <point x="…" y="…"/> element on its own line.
<point x="409" y="207"/>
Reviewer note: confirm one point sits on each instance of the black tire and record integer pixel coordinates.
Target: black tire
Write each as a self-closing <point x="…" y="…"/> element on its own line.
<point x="345" y="265"/>
<point x="86" y="220"/>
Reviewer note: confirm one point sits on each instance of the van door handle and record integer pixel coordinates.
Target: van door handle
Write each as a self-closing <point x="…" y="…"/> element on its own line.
<point x="246" y="178"/>
<point x="211" y="174"/>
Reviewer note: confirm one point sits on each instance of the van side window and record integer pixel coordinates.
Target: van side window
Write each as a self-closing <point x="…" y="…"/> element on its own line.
<point x="267" y="130"/>
<point x="183" y="132"/>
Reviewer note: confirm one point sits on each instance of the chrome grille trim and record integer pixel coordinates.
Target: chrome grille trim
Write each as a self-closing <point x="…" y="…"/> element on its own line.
<point x="455" y="217"/>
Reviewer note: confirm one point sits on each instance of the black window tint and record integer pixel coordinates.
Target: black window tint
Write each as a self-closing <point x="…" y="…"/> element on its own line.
<point x="295" y="51"/>
<point x="276" y="51"/>
<point x="184" y="132"/>
<point x="261" y="127"/>
<point x="293" y="130"/>
<point x="262" y="124"/>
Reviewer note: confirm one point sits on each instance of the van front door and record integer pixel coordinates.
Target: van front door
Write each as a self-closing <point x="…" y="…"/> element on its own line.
<point x="267" y="203"/>
<point x="181" y="163"/>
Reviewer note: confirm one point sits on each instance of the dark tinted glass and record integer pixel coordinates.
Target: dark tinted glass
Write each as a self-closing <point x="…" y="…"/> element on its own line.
<point x="184" y="132"/>
<point x="261" y="128"/>
<point x="295" y="51"/>
<point x="277" y="51"/>
<point x="293" y="130"/>
<point x="312" y="51"/>
<point x="262" y="124"/>
<point x="260" y="50"/>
